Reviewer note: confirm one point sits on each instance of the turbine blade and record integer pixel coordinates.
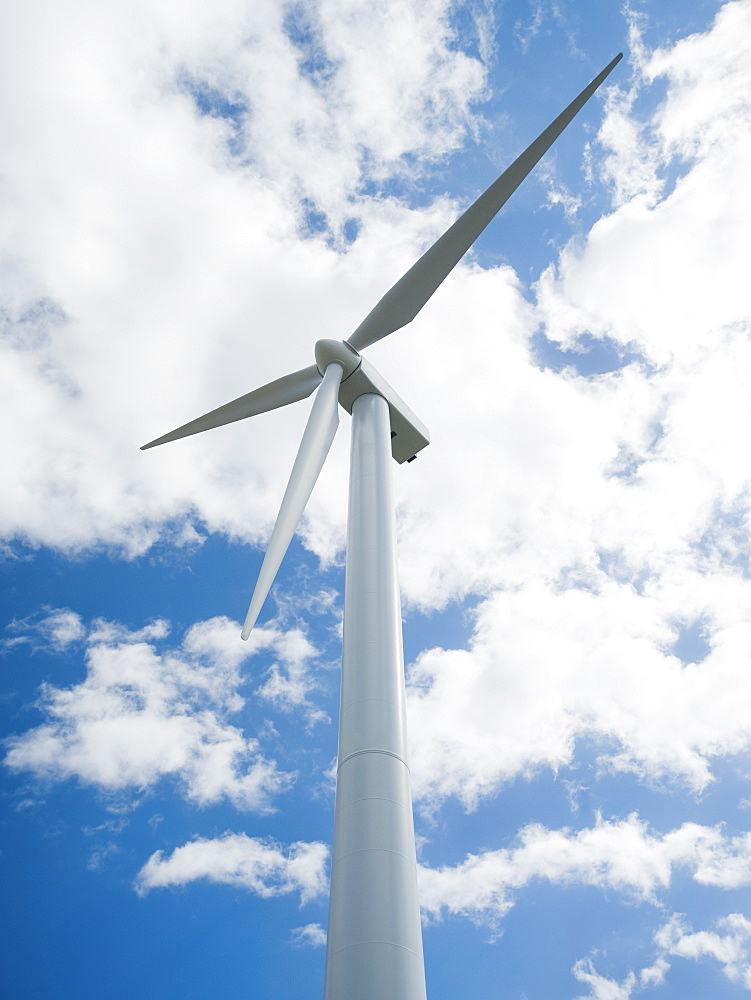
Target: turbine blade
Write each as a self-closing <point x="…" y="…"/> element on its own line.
<point x="314" y="447"/>
<point x="288" y="389"/>
<point x="406" y="298"/>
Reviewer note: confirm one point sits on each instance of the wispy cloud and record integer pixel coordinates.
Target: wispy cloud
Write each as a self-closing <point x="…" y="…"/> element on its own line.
<point x="311" y="934"/>
<point x="603" y="988"/>
<point x="53" y="628"/>
<point x="728" y="944"/>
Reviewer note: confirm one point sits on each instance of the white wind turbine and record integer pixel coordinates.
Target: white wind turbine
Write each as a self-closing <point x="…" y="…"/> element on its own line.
<point x="374" y="948"/>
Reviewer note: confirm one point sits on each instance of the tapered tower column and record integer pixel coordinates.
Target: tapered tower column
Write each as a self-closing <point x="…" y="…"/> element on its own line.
<point x="374" y="949"/>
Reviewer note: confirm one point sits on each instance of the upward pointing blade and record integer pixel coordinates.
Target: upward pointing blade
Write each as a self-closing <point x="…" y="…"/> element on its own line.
<point x="288" y="389"/>
<point x="314" y="447"/>
<point x="406" y="298"/>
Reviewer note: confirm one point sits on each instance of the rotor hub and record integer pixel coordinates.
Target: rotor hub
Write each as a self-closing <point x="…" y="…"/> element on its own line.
<point x="328" y="351"/>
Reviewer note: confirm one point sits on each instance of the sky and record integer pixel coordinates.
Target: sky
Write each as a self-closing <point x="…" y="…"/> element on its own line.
<point x="190" y="196"/>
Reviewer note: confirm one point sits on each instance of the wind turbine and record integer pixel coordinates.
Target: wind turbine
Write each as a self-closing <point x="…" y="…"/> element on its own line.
<point x="374" y="947"/>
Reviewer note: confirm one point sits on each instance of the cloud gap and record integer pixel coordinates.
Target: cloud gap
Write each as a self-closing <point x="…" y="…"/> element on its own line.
<point x="589" y="355"/>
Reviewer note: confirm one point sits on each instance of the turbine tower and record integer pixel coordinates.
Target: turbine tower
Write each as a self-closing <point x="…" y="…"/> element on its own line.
<point x="374" y="948"/>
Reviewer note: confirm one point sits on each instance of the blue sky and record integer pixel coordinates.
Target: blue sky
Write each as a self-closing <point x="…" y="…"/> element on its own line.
<point x="190" y="198"/>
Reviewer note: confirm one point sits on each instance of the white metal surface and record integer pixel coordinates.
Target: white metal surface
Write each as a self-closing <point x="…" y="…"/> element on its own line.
<point x="327" y="351"/>
<point x="375" y="942"/>
<point x="374" y="949"/>
<point x="408" y="434"/>
<point x="281" y="392"/>
<point x="314" y="447"/>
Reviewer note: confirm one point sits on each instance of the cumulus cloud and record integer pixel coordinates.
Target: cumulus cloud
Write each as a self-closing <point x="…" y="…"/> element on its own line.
<point x="262" y="867"/>
<point x="548" y="666"/>
<point x="642" y="472"/>
<point x="194" y="194"/>
<point x="634" y="277"/>
<point x="289" y="680"/>
<point x="187" y="240"/>
<point x="605" y="514"/>
<point x="621" y="855"/>
<point x="166" y="175"/>
<point x="236" y="256"/>
<point x="143" y="714"/>
<point x="728" y="944"/>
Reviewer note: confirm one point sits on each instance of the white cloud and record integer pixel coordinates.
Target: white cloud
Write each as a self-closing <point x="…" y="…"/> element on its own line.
<point x="728" y="944"/>
<point x="99" y="857"/>
<point x="600" y="515"/>
<point x="549" y="666"/>
<point x="542" y="13"/>
<point x="160" y="259"/>
<point x="262" y="867"/>
<point x="311" y="934"/>
<point x="666" y="269"/>
<point x="289" y="681"/>
<point x="654" y="975"/>
<point x="142" y="715"/>
<point x="54" y="628"/>
<point x="159" y="265"/>
<point x="603" y="988"/>
<point x="177" y="334"/>
<point x="152" y="273"/>
<point x="620" y="855"/>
